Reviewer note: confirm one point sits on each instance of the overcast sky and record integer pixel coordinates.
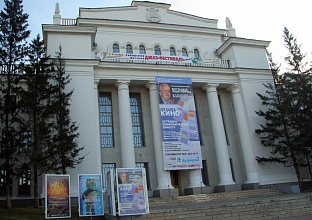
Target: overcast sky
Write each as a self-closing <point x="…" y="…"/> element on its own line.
<point x="261" y="20"/>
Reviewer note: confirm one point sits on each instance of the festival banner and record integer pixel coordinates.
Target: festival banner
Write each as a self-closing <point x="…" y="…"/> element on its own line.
<point x="90" y="195"/>
<point x="132" y="191"/>
<point x="57" y="196"/>
<point x="180" y="137"/>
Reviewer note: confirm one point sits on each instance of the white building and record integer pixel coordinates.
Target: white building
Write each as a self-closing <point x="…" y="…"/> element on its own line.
<point x="115" y="99"/>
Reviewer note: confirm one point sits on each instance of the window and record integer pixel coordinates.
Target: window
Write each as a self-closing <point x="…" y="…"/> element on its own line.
<point x="137" y="120"/>
<point x="7" y="140"/>
<point x="157" y="50"/>
<point x="24" y="183"/>
<point x="184" y="52"/>
<point x="196" y="53"/>
<point x="106" y="120"/>
<point x="115" y="48"/>
<point x="3" y="181"/>
<point x="105" y="169"/>
<point x="172" y="51"/>
<point x="197" y="120"/>
<point x="129" y="49"/>
<point x="142" y="49"/>
<point x="26" y="142"/>
<point x="145" y="165"/>
<point x="204" y="172"/>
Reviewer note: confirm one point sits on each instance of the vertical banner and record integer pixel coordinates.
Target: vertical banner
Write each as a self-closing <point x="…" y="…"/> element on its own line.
<point x="180" y="137"/>
<point x="132" y="191"/>
<point x="90" y="195"/>
<point x="57" y="196"/>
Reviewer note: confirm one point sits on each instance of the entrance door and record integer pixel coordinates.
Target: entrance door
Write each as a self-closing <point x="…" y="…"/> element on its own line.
<point x="175" y="179"/>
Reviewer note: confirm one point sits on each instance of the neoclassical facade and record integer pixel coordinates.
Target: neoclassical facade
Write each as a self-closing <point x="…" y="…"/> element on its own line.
<point x="113" y="56"/>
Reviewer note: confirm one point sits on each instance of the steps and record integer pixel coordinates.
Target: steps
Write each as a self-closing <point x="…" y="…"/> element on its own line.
<point x="249" y="204"/>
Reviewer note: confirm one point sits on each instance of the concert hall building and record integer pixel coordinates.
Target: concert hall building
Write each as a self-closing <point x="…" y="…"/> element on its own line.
<point x="115" y="55"/>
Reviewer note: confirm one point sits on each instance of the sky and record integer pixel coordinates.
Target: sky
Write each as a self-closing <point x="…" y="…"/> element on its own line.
<point x="252" y="19"/>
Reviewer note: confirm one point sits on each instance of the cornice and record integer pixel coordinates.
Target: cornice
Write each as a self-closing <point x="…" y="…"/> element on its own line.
<point x="69" y="29"/>
<point x="194" y="17"/>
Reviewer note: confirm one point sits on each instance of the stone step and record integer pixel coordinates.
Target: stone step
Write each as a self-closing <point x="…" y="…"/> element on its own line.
<point x="263" y="207"/>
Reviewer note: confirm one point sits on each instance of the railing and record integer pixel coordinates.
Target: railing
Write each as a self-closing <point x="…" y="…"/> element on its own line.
<point x="68" y="21"/>
<point x="221" y="64"/>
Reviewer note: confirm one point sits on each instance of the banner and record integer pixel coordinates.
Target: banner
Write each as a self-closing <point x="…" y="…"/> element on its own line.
<point x="132" y="191"/>
<point x="57" y="196"/>
<point x="180" y="137"/>
<point x="90" y="195"/>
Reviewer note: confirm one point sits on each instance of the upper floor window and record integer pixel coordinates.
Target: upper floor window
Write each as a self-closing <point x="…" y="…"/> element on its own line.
<point x="116" y="48"/>
<point x="157" y="50"/>
<point x="142" y="49"/>
<point x="137" y="119"/>
<point x="196" y="53"/>
<point x="184" y="52"/>
<point x="172" y="51"/>
<point x="26" y="142"/>
<point x="106" y="120"/>
<point x="129" y="49"/>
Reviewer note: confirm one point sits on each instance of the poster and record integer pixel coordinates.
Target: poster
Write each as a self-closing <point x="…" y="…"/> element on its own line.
<point x="90" y="195"/>
<point x="131" y="191"/>
<point x="180" y="137"/>
<point x="57" y="196"/>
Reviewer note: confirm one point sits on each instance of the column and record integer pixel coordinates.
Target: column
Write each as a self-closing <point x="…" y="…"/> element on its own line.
<point x="163" y="177"/>
<point x="126" y="135"/>
<point x="96" y="124"/>
<point x="224" y="167"/>
<point x="195" y="179"/>
<point x="244" y="136"/>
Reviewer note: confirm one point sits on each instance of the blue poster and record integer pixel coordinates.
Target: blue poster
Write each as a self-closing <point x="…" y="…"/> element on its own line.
<point x="90" y="195"/>
<point x="180" y="136"/>
<point x="131" y="191"/>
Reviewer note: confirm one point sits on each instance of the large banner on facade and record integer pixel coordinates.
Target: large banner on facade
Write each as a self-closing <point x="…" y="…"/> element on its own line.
<point x="57" y="196"/>
<point x="90" y="195"/>
<point x="131" y="191"/>
<point x="180" y="137"/>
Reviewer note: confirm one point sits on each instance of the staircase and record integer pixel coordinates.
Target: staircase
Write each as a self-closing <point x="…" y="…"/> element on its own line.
<point x="249" y="204"/>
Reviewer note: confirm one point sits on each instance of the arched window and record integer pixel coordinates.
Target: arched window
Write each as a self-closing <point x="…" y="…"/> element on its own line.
<point x="157" y="50"/>
<point x="142" y="49"/>
<point x="115" y="48"/>
<point x="196" y="53"/>
<point x="172" y="51"/>
<point x="184" y="52"/>
<point x="129" y="49"/>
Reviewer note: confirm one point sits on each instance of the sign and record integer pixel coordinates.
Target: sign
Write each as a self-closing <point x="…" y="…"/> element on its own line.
<point x="90" y="195"/>
<point x="57" y="196"/>
<point x="132" y="191"/>
<point x="180" y="137"/>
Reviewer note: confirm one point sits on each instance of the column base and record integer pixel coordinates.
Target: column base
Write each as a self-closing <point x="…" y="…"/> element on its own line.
<point x="166" y="192"/>
<point x="228" y="188"/>
<point x="249" y="186"/>
<point x="197" y="190"/>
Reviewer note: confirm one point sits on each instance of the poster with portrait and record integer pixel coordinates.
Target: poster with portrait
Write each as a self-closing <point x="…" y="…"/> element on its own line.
<point x="57" y="196"/>
<point x="180" y="137"/>
<point x="131" y="191"/>
<point x="90" y="195"/>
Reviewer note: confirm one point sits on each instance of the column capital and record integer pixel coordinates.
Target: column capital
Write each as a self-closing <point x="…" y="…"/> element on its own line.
<point x="210" y="87"/>
<point x="151" y="84"/>
<point x="122" y="84"/>
<point x="234" y="88"/>
<point x="96" y="83"/>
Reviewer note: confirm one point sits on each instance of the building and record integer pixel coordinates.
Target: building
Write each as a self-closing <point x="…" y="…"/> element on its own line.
<point x="113" y="56"/>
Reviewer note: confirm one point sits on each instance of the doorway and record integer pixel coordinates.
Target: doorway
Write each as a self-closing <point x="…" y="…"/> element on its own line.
<point x="175" y="179"/>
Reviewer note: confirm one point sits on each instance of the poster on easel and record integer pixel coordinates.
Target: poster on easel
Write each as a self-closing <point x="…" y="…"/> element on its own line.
<point x="90" y="195"/>
<point x="131" y="191"/>
<point x="57" y="196"/>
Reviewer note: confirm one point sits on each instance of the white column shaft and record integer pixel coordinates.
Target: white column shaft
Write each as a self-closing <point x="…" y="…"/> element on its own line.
<point x="225" y="173"/>
<point x="244" y="137"/>
<point x="126" y="135"/>
<point x="96" y="124"/>
<point x="195" y="179"/>
<point x="163" y="177"/>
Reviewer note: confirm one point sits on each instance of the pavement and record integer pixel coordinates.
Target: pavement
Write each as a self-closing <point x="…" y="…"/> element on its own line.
<point x="304" y="217"/>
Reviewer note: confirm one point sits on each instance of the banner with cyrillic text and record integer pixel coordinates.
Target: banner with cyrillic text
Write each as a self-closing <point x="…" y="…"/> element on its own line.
<point x="180" y="137"/>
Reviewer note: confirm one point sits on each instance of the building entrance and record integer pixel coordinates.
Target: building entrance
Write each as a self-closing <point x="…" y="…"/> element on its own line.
<point x="175" y="180"/>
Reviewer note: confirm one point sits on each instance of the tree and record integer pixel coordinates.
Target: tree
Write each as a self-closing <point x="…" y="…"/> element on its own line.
<point x="36" y="100"/>
<point x="65" y="150"/>
<point x="13" y="49"/>
<point x="287" y="115"/>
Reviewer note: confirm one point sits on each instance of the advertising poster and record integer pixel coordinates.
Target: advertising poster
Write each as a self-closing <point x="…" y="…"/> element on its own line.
<point x="131" y="191"/>
<point x="57" y="196"/>
<point x="90" y="195"/>
<point x="180" y="137"/>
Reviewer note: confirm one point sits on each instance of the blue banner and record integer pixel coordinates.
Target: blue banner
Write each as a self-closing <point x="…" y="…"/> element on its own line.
<point x="180" y="137"/>
<point x="90" y="195"/>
